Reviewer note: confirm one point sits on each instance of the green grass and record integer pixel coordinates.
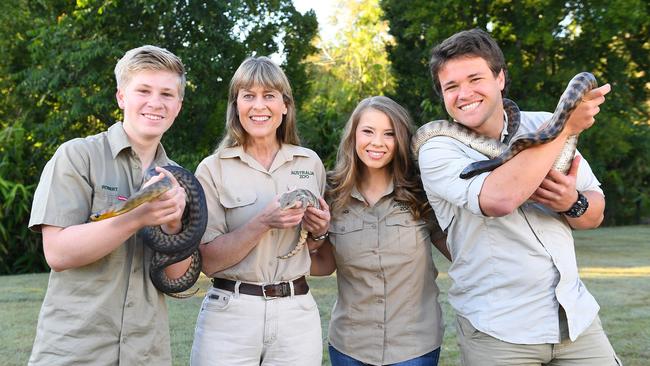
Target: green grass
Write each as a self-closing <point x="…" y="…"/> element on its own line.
<point x="614" y="264"/>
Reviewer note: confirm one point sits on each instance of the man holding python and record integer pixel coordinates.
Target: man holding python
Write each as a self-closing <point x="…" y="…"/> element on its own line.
<point x="515" y="284"/>
<point x="100" y="305"/>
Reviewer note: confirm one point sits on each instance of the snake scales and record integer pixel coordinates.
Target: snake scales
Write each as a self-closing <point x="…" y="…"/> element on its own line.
<point x="499" y="152"/>
<point x="290" y="199"/>
<point x="170" y="249"/>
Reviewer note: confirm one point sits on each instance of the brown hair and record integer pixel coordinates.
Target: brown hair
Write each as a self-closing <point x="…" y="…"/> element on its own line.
<point x="469" y="43"/>
<point x="407" y="186"/>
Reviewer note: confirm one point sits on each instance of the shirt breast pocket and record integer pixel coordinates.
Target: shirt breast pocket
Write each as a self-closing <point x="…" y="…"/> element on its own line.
<point x="411" y="233"/>
<point x="348" y="240"/>
<point x="102" y="201"/>
<point x="239" y="206"/>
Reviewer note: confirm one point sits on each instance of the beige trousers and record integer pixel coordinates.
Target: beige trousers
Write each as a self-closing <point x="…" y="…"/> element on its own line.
<point x="592" y="348"/>
<point x="234" y="329"/>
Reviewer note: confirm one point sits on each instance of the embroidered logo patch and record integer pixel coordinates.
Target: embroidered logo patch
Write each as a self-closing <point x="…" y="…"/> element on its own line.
<point x="302" y="174"/>
<point x="109" y="188"/>
<point x="401" y="205"/>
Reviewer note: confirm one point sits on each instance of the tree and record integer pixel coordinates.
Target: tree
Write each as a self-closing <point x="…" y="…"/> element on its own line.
<point x="347" y="69"/>
<point x="57" y="73"/>
<point x="545" y="44"/>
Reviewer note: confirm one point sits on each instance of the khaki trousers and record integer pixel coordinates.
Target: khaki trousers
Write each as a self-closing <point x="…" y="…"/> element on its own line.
<point x="234" y="329"/>
<point x="592" y="348"/>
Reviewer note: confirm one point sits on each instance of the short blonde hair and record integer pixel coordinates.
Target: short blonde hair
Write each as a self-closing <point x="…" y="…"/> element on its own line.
<point x="149" y="58"/>
<point x="259" y="71"/>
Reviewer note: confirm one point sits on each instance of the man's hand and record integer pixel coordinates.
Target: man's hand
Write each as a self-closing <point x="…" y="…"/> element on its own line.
<point x="583" y="116"/>
<point x="558" y="191"/>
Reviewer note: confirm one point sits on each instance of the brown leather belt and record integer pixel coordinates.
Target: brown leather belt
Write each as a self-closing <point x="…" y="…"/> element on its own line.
<point x="282" y="289"/>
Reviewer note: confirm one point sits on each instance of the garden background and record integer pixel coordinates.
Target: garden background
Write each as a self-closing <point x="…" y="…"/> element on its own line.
<point x="57" y="82"/>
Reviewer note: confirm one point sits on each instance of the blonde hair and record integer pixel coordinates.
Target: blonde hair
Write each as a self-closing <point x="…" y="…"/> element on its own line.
<point x="259" y="71"/>
<point x="407" y="186"/>
<point x="149" y="58"/>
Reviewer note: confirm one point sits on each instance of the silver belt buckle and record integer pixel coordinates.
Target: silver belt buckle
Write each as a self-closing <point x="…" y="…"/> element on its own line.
<point x="264" y="294"/>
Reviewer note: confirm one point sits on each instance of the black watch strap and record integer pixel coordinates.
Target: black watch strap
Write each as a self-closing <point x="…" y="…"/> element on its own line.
<point x="578" y="208"/>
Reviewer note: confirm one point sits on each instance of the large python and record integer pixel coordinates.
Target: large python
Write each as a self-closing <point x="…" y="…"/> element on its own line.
<point x="289" y="200"/>
<point x="170" y="249"/>
<point x="499" y="152"/>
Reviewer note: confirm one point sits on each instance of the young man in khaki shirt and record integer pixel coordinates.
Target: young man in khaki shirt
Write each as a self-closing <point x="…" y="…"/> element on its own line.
<point x="100" y="304"/>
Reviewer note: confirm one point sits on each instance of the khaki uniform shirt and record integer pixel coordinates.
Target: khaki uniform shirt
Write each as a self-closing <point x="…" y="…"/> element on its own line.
<point x="237" y="188"/>
<point x="387" y="309"/>
<point x="107" y="312"/>
<point x="509" y="274"/>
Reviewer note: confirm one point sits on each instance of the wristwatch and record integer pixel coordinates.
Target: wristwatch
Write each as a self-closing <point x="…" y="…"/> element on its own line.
<point x="579" y="207"/>
<point x="320" y="237"/>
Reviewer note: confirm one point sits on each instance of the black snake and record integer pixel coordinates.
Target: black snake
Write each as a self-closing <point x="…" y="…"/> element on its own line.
<point x="170" y="249"/>
<point x="499" y="152"/>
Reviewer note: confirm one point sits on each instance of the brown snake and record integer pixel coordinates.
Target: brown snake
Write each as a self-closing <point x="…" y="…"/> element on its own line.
<point x="499" y="152"/>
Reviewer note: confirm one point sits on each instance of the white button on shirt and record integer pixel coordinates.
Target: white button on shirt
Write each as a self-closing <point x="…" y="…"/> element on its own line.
<point x="509" y="274"/>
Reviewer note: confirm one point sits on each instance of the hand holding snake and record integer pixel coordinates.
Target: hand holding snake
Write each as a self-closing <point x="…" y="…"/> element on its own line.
<point x="558" y="191"/>
<point x="167" y="209"/>
<point x="317" y="220"/>
<point x="574" y="113"/>
<point x="158" y="203"/>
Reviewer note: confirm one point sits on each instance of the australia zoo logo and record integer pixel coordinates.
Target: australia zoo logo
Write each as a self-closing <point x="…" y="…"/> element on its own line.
<point x="302" y="174"/>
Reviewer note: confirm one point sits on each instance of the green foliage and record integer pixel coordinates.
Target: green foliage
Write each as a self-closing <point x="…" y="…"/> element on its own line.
<point x="347" y="69"/>
<point x="547" y="42"/>
<point x="57" y="82"/>
<point x="20" y="251"/>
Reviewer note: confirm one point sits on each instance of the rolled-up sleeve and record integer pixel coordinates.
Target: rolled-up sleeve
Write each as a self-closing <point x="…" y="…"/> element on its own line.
<point x="441" y="161"/>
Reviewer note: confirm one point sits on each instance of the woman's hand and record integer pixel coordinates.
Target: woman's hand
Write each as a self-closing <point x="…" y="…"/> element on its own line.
<point x="317" y="221"/>
<point x="275" y="217"/>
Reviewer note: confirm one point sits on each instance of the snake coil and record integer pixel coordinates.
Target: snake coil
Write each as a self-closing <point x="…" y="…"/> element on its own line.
<point x="169" y="249"/>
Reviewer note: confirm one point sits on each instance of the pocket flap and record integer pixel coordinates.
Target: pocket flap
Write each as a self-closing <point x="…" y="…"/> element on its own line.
<point x="346" y="226"/>
<point x="403" y="220"/>
<point x="237" y="199"/>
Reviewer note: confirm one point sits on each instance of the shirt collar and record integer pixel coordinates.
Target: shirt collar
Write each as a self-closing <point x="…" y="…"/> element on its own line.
<point x="118" y="140"/>
<point x="357" y="195"/>
<point x="504" y="131"/>
<point x="286" y="153"/>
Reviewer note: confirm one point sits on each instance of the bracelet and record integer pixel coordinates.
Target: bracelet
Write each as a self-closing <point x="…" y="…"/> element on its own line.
<point x="320" y="237"/>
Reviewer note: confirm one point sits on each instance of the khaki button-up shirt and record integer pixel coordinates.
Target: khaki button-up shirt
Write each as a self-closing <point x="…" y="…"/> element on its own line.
<point x="387" y="309"/>
<point x="509" y="274"/>
<point x="107" y="312"/>
<point x="237" y="188"/>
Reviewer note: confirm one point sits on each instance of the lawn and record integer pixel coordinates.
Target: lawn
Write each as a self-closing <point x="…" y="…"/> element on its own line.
<point x="614" y="264"/>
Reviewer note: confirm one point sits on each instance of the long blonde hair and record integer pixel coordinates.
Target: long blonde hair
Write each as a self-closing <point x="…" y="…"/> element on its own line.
<point x="259" y="71"/>
<point x="407" y="186"/>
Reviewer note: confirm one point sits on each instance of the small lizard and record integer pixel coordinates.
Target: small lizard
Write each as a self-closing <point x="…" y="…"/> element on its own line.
<point x="289" y="200"/>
